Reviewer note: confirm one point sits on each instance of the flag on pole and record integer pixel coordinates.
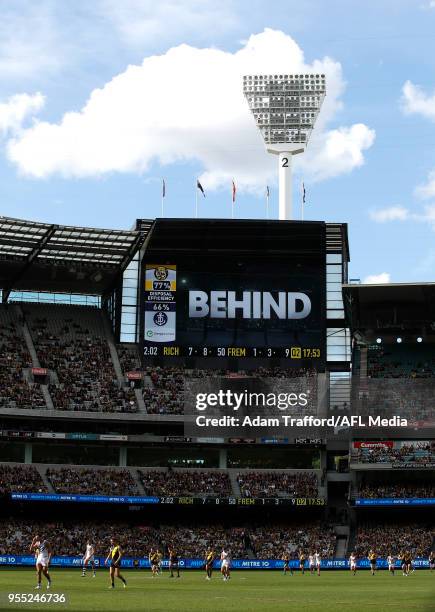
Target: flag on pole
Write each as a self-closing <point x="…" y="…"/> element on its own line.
<point x="303" y="192"/>
<point x="234" y="191"/>
<point x="200" y="187"/>
<point x="163" y="196"/>
<point x="267" y="200"/>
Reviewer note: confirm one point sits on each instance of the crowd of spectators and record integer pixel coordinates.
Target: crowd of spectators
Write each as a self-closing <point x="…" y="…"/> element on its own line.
<point x="276" y="372"/>
<point x="278" y="484"/>
<point x="164" y="387"/>
<point x="69" y="538"/>
<point x="128" y="358"/>
<point x="178" y="484"/>
<point x="258" y="541"/>
<point x="193" y="541"/>
<point x="271" y="542"/>
<point x="165" y="394"/>
<point x="413" y="452"/>
<point x="396" y="490"/>
<point x="172" y="483"/>
<point x="20" y="479"/>
<point x="390" y="361"/>
<point x="394" y="539"/>
<point x="92" y="482"/>
<point x="78" y="356"/>
<point x="15" y="390"/>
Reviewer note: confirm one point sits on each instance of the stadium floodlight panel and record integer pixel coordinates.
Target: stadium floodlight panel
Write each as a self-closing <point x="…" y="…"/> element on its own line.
<point x="285" y="106"/>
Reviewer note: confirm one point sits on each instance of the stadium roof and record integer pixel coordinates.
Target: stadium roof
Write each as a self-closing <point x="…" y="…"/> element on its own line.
<point x="81" y="260"/>
<point x="390" y="306"/>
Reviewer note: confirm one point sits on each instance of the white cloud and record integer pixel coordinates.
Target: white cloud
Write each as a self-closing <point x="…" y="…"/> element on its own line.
<point x="393" y="213"/>
<point x="17" y="108"/>
<point x="30" y="40"/>
<point x="184" y="105"/>
<point x="141" y="22"/>
<point x="428" y="189"/>
<point x="337" y="151"/>
<point x="429" y="215"/>
<point x="416" y="101"/>
<point x="399" y="213"/>
<point x="377" y="279"/>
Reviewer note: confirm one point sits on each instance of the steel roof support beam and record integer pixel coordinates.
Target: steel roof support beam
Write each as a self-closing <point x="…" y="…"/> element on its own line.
<point x="28" y="261"/>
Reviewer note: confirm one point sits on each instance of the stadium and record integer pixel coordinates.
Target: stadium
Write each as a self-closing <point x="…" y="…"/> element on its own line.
<point x="106" y="338"/>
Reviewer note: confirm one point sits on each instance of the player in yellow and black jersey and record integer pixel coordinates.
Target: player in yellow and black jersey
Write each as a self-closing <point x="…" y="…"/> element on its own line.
<point x="372" y="560"/>
<point x="210" y="556"/>
<point x="154" y="559"/>
<point x="174" y="562"/>
<point x="302" y="561"/>
<point x="407" y="562"/>
<point x="114" y="559"/>
<point x="286" y="558"/>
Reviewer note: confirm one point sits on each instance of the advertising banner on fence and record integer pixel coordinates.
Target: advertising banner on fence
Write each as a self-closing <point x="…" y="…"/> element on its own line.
<point x="245" y="564"/>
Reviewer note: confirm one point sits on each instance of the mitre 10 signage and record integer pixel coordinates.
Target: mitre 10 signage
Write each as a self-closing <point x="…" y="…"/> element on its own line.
<point x="252" y="307"/>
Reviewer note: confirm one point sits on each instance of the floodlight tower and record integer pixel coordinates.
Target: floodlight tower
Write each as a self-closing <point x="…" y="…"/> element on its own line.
<point x="285" y="108"/>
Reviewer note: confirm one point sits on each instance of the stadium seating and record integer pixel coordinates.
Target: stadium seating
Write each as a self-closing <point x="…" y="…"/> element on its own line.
<point x="163" y="482"/>
<point x="178" y="483"/>
<point x="192" y="541"/>
<point x="70" y="537"/>
<point x="273" y="484"/>
<point x="400" y="361"/>
<point x="128" y="358"/>
<point x="271" y="542"/>
<point x="411" y="452"/>
<point x="164" y="387"/>
<point x="92" y="482"/>
<point x="396" y="490"/>
<point x="163" y="394"/>
<point x="20" y="479"/>
<point x="257" y="541"/>
<point x="72" y="344"/>
<point x="16" y="391"/>
<point x="391" y="538"/>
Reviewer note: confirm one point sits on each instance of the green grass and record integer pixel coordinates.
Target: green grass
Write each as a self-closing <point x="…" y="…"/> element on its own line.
<point x="246" y="591"/>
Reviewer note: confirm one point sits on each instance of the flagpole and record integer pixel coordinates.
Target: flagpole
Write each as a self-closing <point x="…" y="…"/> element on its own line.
<point x="163" y="196"/>
<point x="267" y="203"/>
<point x="196" y="199"/>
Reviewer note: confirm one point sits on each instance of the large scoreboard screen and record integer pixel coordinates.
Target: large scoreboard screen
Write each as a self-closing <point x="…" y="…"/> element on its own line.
<point x="263" y="298"/>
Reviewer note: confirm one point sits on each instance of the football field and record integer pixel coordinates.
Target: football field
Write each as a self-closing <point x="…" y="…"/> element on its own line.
<point x="247" y="590"/>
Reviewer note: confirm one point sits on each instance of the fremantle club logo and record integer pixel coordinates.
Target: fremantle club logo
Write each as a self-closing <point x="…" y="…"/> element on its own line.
<point x="160" y="318"/>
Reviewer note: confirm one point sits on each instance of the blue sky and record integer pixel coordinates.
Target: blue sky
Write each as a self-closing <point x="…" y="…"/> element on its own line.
<point x="99" y="101"/>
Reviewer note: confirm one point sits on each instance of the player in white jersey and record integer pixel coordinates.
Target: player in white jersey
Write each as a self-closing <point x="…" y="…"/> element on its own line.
<point x="311" y="562"/>
<point x="391" y="561"/>
<point x="352" y="563"/>
<point x="42" y="550"/>
<point x="318" y="561"/>
<point x="225" y="565"/>
<point x="89" y="557"/>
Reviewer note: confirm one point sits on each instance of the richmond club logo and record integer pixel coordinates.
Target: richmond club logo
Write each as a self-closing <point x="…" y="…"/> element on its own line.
<point x="161" y="273"/>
